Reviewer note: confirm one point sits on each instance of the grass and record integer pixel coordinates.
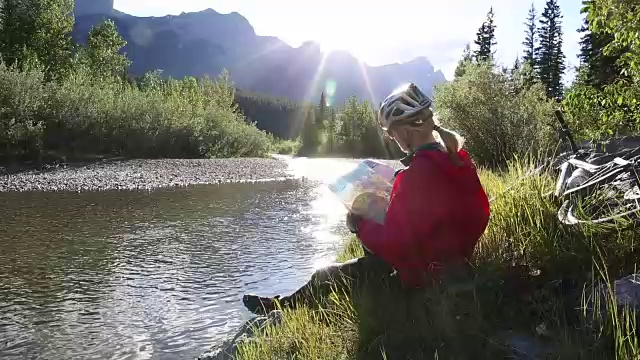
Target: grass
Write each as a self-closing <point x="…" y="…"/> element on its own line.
<point x="532" y="276"/>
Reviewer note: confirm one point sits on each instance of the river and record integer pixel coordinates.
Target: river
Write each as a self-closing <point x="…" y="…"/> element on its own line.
<point x="160" y="274"/>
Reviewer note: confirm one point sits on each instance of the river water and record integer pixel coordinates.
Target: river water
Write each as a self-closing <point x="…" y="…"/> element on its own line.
<point x="141" y="275"/>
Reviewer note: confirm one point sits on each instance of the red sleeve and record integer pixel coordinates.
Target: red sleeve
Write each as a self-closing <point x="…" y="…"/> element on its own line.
<point x="412" y="212"/>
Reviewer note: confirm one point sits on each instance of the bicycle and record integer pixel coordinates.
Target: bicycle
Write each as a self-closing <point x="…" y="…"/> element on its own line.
<point x="597" y="187"/>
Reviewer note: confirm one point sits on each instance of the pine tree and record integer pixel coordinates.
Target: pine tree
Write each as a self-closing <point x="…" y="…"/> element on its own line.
<point x="467" y="58"/>
<point x="550" y="57"/>
<point x="530" y="37"/>
<point x="322" y="109"/>
<point x="310" y="136"/>
<point x="599" y="69"/>
<point x="486" y="39"/>
<point x="331" y="130"/>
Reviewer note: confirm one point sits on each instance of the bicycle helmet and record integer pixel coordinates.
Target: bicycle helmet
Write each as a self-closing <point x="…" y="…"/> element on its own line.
<point x="401" y="105"/>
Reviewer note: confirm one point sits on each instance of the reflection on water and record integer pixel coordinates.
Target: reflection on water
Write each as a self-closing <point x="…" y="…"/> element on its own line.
<point x="154" y="275"/>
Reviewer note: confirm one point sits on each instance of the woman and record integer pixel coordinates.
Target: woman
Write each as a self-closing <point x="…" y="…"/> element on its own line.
<point x="437" y="212"/>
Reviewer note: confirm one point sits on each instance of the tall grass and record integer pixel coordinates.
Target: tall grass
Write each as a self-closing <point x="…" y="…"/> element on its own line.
<point x="80" y="116"/>
<point x="531" y="276"/>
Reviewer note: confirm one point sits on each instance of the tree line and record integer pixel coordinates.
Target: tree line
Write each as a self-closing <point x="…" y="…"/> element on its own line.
<point x="603" y="99"/>
<point x="62" y="100"/>
<point x="542" y="51"/>
<point x="350" y="130"/>
<point x="67" y="99"/>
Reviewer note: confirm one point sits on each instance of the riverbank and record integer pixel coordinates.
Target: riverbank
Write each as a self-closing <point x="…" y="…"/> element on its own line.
<point x="530" y="296"/>
<point x="141" y="174"/>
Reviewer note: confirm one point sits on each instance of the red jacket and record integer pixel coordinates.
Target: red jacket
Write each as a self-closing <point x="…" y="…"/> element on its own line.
<point x="437" y="213"/>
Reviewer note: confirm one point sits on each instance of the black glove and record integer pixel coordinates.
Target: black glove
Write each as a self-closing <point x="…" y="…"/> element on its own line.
<point x="352" y="222"/>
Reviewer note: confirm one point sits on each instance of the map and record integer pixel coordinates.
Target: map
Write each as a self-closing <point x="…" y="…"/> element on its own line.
<point x="366" y="190"/>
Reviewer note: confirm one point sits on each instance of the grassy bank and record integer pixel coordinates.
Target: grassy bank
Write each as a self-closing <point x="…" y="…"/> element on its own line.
<point x="532" y="276"/>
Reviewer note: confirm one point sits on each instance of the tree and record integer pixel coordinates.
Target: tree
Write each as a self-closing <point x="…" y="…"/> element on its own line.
<point x="310" y="134"/>
<point x="53" y="44"/>
<point x="372" y="144"/>
<point x="103" y="51"/>
<point x="530" y="37"/>
<point x="38" y="31"/>
<point x="18" y="28"/>
<point x="467" y="58"/>
<point x="550" y="57"/>
<point x="322" y="109"/>
<point x="486" y="39"/>
<point x="331" y="130"/>
<point x="620" y="20"/>
<point x="598" y="69"/>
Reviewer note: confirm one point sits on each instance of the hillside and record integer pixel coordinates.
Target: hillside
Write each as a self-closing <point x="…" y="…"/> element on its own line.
<point x="204" y="43"/>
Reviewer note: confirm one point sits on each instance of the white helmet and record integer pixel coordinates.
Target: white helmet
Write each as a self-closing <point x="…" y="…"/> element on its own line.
<point x="402" y="104"/>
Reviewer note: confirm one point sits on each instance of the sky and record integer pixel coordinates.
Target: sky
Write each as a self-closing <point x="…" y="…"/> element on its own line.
<point x="383" y="32"/>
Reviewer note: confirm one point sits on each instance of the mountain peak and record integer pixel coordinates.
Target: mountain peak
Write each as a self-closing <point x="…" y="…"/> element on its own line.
<point x="205" y="42"/>
<point x="420" y="60"/>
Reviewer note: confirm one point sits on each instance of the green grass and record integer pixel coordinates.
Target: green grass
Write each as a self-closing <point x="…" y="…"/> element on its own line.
<point x="518" y="264"/>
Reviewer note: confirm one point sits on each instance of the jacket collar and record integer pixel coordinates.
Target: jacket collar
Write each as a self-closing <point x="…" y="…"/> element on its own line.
<point x="406" y="161"/>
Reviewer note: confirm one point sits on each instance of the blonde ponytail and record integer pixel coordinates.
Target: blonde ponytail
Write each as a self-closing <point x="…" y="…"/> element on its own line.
<point x="452" y="140"/>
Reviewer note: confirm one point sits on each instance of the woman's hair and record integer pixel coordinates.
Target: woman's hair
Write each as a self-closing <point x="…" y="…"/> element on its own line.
<point x="451" y="140"/>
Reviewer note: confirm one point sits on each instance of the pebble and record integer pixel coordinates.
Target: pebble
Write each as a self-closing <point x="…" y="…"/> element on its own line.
<point x="143" y="174"/>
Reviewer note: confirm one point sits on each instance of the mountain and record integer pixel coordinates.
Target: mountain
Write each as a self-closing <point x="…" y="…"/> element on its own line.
<point x="205" y="42"/>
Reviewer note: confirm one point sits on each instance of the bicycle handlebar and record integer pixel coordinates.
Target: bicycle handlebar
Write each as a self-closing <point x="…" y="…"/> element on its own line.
<point x="566" y="131"/>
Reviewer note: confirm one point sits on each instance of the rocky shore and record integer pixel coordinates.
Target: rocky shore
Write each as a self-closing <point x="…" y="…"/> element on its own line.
<point x="142" y="174"/>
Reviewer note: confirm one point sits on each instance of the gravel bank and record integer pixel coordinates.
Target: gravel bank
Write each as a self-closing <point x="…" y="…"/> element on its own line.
<point x="142" y="174"/>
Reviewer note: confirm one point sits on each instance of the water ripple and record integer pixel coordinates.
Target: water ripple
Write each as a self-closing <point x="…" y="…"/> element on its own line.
<point x="152" y="275"/>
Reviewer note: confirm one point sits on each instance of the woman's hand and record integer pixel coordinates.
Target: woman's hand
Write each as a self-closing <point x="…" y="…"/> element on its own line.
<point x="352" y="222"/>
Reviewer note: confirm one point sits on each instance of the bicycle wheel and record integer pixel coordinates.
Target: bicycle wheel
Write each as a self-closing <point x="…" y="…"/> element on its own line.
<point x="604" y="203"/>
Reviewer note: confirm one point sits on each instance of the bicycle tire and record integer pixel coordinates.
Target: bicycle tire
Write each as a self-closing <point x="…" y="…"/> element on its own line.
<point x="567" y="215"/>
<point x="626" y="204"/>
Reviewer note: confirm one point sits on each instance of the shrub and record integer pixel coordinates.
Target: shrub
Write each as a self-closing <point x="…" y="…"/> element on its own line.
<point x="499" y="116"/>
<point x="80" y="116"/>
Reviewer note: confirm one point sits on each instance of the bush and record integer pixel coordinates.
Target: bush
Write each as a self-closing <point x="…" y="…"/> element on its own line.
<point x="594" y="114"/>
<point x="499" y="116"/>
<point x="80" y="116"/>
<point x="286" y="147"/>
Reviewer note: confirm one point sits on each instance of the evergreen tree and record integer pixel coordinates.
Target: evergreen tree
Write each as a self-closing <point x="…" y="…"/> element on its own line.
<point x="486" y="39"/>
<point x="550" y="57"/>
<point x="516" y="65"/>
<point x="331" y="129"/>
<point x="371" y="138"/>
<point x="467" y="58"/>
<point x="310" y="134"/>
<point x="530" y="37"/>
<point x="599" y="69"/>
<point x="322" y="109"/>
